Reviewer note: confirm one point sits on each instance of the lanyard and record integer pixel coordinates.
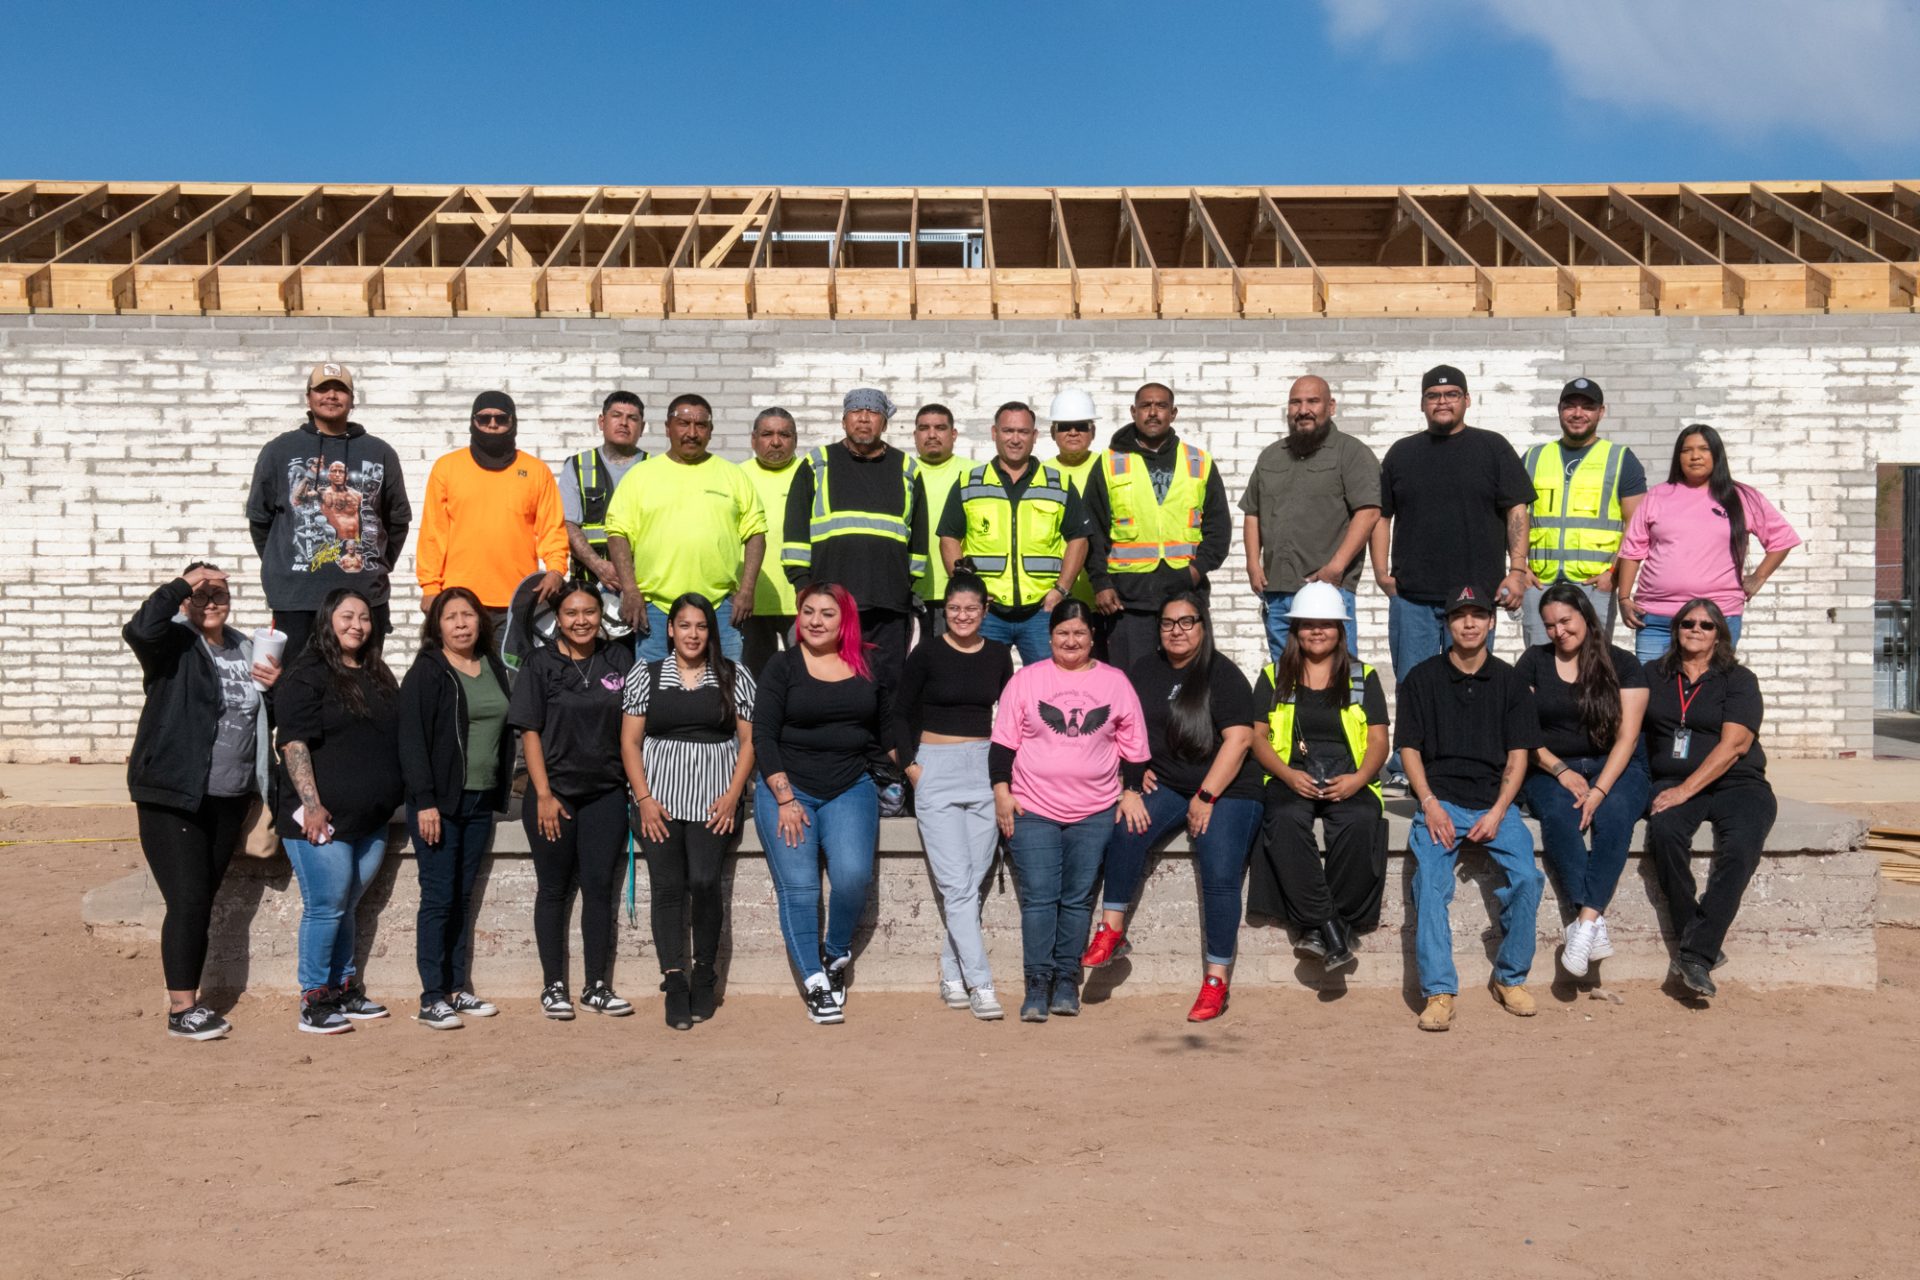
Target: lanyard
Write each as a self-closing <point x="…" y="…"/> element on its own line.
<point x="1686" y="699"/>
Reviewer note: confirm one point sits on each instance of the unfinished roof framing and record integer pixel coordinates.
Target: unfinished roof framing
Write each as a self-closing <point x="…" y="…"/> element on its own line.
<point x="951" y="252"/>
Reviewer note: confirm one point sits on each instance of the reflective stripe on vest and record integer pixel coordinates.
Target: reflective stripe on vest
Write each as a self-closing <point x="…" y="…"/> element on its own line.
<point x="1146" y="531"/>
<point x="1353" y="720"/>
<point x="828" y="523"/>
<point x="595" y="494"/>
<point x="999" y="529"/>
<point x="1576" y="526"/>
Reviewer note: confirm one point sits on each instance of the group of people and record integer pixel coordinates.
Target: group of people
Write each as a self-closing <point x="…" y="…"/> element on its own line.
<point x="713" y="638"/>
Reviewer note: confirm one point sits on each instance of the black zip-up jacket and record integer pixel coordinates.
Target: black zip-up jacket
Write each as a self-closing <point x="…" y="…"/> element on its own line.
<point x="173" y="745"/>
<point x="1144" y="592"/>
<point x="433" y="735"/>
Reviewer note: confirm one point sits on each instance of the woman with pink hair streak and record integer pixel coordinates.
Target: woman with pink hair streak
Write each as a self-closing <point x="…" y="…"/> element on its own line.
<point x="820" y="725"/>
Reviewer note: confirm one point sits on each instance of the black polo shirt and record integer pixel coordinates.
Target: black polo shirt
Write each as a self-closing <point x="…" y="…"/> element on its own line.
<point x="952" y="522"/>
<point x="1463" y="725"/>
<point x="1719" y="699"/>
<point x="1448" y="498"/>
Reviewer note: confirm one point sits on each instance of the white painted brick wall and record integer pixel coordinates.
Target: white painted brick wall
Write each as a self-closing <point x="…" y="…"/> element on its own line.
<point x="127" y="443"/>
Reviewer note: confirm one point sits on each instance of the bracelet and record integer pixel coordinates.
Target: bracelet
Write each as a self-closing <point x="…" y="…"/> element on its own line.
<point x="643" y="799"/>
<point x="789" y="800"/>
<point x="1597" y="787"/>
<point x="1557" y="768"/>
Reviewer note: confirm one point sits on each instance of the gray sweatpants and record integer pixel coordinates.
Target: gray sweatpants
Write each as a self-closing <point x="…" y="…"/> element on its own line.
<point x="954" y="806"/>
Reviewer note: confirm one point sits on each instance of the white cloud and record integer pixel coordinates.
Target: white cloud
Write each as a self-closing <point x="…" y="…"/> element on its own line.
<point x="1845" y="70"/>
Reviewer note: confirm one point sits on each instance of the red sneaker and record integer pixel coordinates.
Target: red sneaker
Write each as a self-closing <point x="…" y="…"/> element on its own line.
<point x="1211" y="1003"/>
<point x="1107" y="946"/>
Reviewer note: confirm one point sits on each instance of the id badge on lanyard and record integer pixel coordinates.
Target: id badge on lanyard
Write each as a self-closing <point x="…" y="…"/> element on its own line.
<point x="1683" y="736"/>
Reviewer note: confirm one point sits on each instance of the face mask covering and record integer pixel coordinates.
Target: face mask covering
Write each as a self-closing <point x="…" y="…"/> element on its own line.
<point x="493" y="450"/>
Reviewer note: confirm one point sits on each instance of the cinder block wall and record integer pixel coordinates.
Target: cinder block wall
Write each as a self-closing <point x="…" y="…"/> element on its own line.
<point x="127" y="442"/>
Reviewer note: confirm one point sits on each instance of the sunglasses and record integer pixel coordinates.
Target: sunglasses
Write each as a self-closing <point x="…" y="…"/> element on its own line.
<point x="492" y="419"/>
<point x="205" y="598"/>
<point x="1698" y="624"/>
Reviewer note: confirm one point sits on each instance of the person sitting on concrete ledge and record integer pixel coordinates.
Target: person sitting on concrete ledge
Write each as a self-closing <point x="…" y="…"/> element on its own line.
<point x="1703" y="740"/>
<point x="1467" y="725"/>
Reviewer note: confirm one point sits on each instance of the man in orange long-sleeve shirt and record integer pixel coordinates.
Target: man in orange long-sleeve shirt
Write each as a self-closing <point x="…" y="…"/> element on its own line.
<point x="491" y="515"/>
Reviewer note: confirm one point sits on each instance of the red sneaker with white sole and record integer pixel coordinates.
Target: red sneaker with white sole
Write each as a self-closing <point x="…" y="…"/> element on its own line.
<point x="1212" y="1001"/>
<point x="1107" y="946"/>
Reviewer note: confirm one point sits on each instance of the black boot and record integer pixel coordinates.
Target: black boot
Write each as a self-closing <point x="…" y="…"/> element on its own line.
<point x="1312" y="943"/>
<point x="704" y="998"/>
<point x="1339" y="945"/>
<point x="678" y="1008"/>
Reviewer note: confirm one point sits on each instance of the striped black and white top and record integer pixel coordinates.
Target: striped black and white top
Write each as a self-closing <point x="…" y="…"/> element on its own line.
<point x="689" y="751"/>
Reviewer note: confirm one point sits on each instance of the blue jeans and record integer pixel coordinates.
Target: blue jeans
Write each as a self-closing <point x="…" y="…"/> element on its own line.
<point x="332" y="877"/>
<point x="654" y="647"/>
<point x="1587" y="876"/>
<point x="1278" y="602"/>
<point x="1219" y="862"/>
<point x="1030" y="636"/>
<point x="443" y="929"/>
<point x="846" y="830"/>
<point x="1519" y="899"/>
<point x="1656" y="637"/>
<point x="1055" y="865"/>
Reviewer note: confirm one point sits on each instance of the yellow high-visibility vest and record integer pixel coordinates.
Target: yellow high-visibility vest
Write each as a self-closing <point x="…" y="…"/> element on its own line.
<point x="1577" y="527"/>
<point x="1075" y="474"/>
<point x="1018" y="549"/>
<point x="1145" y="531"/>
<point x="1353" y="720"/>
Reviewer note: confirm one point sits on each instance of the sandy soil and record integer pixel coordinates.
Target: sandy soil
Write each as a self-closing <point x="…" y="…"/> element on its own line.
<point x="1772" y="1135"/>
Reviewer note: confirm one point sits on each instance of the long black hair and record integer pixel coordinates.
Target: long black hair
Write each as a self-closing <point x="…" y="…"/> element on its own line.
<point x="1190" y="733"/>
<point x="1722" y="658"/>
<point x="1596" y="683"/>
<point x="1721" y="484"/>
<point x="431" y="638"/>
<point x="344" y="682"/>
<point x="717" y="661"/>
<point x="1293" y="662"/>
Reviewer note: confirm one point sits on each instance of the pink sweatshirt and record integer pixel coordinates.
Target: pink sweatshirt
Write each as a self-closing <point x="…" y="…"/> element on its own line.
<point x="1680" y="533"/>
<point x="1069" y="731"/>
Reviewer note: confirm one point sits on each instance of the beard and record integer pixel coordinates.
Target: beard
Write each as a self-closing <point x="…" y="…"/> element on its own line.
<point x="1304" y="444"/>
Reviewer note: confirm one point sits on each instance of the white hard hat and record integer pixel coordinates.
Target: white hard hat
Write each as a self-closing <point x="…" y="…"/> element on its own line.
<point x="1071" y="405"/>
<point x="1318" y="602"/>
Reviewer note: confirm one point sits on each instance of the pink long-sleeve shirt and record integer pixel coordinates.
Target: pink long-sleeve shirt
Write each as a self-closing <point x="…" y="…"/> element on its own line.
<point x="1680" y="536"/>
<point x="1069" y="730"/>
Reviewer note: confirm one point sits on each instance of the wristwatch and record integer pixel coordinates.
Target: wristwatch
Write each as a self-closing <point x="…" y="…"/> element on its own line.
<point x="1206" y="797"/>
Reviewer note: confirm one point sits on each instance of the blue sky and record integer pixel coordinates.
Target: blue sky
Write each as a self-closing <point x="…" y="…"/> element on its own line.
<point x="853" y="92"/>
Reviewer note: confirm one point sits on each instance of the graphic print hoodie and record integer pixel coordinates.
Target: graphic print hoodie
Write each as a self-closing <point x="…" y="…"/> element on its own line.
<point x="326" y="512"/>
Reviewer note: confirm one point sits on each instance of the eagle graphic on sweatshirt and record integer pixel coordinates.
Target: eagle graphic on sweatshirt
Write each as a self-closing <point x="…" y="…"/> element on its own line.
<point x="1072" y="724"/>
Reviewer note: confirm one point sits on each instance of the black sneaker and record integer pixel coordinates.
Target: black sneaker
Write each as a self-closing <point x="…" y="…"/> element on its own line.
<point x="554" y="1000"/>
<point x="1694" y="977"/>
<point x="1066" y="998"/>
<point x="1034" y="1007"/>
<point x="440" y="1015"/>
<point x="838" y="972"/>
<point x="471" y="1005"/>
<point x="821" y="1006"/>
<point x="320" y="1015"/>
<point x="197" y="1023"/>
<point x="599" y="997"/>
<point x="352" y="1001"/>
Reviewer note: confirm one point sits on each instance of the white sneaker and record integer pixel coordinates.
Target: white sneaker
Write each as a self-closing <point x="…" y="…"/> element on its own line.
<point x="1573" y="957"/>
<point x="1602" y="947"/>
<point x="985" y="1005"/>
<point x="954" y="994"/>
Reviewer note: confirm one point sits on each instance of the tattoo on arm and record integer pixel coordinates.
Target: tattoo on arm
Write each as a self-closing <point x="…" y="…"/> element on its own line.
<point x="1518" y="520"/>
<point x="300" y="769"/>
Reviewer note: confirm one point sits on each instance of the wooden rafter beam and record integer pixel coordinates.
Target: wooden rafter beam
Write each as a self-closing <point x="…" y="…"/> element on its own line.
<point x="502" y="230"/>
<point x="273" y="228"/>
<point x="839" y="245"/>
<point x="200" y="226"/>
<point x="989" y="257"/>
<point x="690" y="238"/>
<point x="1877" y="222"/>
<point x="1197" y="210"/>
<point x="52" y="220"/>
<point x="1285" y="232"/>
<point x="18" y="197"/>
<point x="1430" y="227"/>
<point x="348" y="232"/>
<point x="1764" y="247"/>
<point x="424" y="229"/>
<point x="752" y="217"/>
<point x="1064" y="242"/>
<point x="1507" y="229"/>
<point x="1689" y="251"/>
<point x="1806" y="224"/>
<point x="1130" y="221"/>
<point x="1551" y="208"/>
<point x="1907" y="196"/>
<point x="576" y="230"/>
<point x="124" y="225"/>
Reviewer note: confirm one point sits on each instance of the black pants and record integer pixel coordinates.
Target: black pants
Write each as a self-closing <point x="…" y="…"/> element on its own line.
<point x="299" y="625"/>
<point x="684" y="872"/>
<point x="1742" y="814"/>
<point x="1134" y="636"/>
<point x="443" y="927"/>
<point x="188" y="851"/>
<point x="1351" y="882"/>
<point x="761" y="638"/>
<point x="890" y="633"/>
<point x="589" y="853"/>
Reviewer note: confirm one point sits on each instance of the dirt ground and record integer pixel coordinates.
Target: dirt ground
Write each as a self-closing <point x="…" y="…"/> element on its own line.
<point x="1771" y="1135"/>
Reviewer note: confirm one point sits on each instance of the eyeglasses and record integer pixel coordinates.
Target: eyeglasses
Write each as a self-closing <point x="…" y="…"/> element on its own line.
<point x="492" y="419"/>
<point x="205" y="598"/>
<point x="1187" y="623"/>
<point x="1698" y="624"/>
<point x="1443" y="397"/>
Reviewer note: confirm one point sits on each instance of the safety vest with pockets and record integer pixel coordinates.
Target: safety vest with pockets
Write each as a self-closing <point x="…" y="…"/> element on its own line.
<point x="1017" y="547"/>
<point x="1146" y="531"/>
<point x="828" y="522"/>
<point x="1576" y="523"/>
<point x="1353" y="719"/>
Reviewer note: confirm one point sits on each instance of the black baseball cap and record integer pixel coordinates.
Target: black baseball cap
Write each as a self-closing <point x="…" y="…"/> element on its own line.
<point x="1469" y="598"/>
<point x="1443" y="375"/>
<point x="1585" y="388"/>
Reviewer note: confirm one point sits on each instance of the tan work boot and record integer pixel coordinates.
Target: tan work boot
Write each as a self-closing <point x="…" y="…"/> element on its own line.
<point x="1515" y="1000"/>
<point x="1438" y="1015"/>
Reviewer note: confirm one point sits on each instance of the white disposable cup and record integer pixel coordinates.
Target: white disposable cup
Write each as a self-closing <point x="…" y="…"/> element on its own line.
<point x="268" y="643"/>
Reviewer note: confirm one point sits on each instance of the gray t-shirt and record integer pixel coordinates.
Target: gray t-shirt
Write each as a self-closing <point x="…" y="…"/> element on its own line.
<point x="1304" y="505"/>
<point x="234" y="741"/>
<point x="616" y="468"/>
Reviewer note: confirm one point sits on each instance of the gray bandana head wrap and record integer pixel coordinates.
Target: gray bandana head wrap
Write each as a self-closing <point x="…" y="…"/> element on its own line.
<point x="867" y="398"/>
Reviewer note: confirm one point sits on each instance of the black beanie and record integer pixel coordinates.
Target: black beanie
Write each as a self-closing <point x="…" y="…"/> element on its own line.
<point x="493" y="400"/>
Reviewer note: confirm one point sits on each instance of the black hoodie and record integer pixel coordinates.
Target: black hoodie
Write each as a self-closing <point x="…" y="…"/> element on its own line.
<point x="1144" y="592"/>
<point x="317" y="529"/>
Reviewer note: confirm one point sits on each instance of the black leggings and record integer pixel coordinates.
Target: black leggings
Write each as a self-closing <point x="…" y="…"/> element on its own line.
<point x="589" y="853"/>
<point x="188" y="851"/>
<point x="685" y="869"/>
